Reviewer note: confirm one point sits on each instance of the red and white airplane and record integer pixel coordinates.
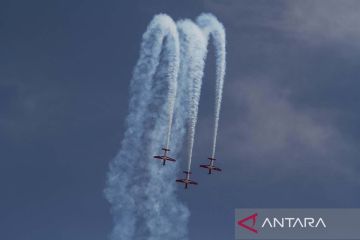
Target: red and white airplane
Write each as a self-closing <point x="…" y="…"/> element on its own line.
<point x="164" y="157"/>
<point x="211" y="166"/>
<point x="187" y="180"/>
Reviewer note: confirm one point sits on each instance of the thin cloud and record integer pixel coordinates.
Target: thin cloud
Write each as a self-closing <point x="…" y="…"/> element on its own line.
<point x="319" y="21"/>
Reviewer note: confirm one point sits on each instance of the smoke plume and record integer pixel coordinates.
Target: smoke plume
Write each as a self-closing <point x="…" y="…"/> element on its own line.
<point x="165" y="93"/>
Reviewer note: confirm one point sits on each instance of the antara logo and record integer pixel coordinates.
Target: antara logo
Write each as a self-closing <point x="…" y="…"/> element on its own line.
<point x="291" y="222"/>
<point x="253" y="218"/>
<point x="285" y="222"/>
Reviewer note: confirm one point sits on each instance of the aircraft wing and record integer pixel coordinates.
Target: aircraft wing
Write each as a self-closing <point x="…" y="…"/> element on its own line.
<point x="204" y="166"/>
<point x="158" y="157"/>
<point x="193" y="182"/>
<point x="217" y="169"/>
<point x="180" y="180"/>
<point x="170" y="159"/>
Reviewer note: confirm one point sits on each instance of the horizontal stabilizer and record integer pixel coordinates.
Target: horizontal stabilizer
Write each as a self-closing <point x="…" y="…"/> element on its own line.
<point x="212" y="159"/>
<point x="166" y="149"/>
<point x="186" y="172"/>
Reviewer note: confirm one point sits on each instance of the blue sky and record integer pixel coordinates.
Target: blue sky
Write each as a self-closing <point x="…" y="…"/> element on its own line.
<point x="289" y="130"/>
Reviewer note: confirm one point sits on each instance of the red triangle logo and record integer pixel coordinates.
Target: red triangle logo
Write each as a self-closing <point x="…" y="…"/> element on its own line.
<point x="250" y="228"/>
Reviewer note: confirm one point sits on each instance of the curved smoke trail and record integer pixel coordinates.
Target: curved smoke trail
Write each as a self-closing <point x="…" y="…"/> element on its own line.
<point x="208" y="25"/>
<point x="164" y="216"/>
<point x="124" y="187"/>
<point x="193" y="52"/>
<point x="141" y="192"/>
<point x="212" y="27"/>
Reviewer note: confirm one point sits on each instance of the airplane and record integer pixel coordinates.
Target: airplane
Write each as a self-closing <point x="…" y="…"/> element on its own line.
<point x="187" y="180"/>
<point x="211" y="166"/>
<point x="164" y="157"/>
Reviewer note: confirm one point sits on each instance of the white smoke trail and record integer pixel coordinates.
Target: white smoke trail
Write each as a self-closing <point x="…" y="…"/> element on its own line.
<point x="125" y="189"/>
<point x="212" y="27"/>
<point x="172" y="86"/>
<point x="193" y="52"/>
<point x="165" y="217"/>
<point x="140" y="190"/>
